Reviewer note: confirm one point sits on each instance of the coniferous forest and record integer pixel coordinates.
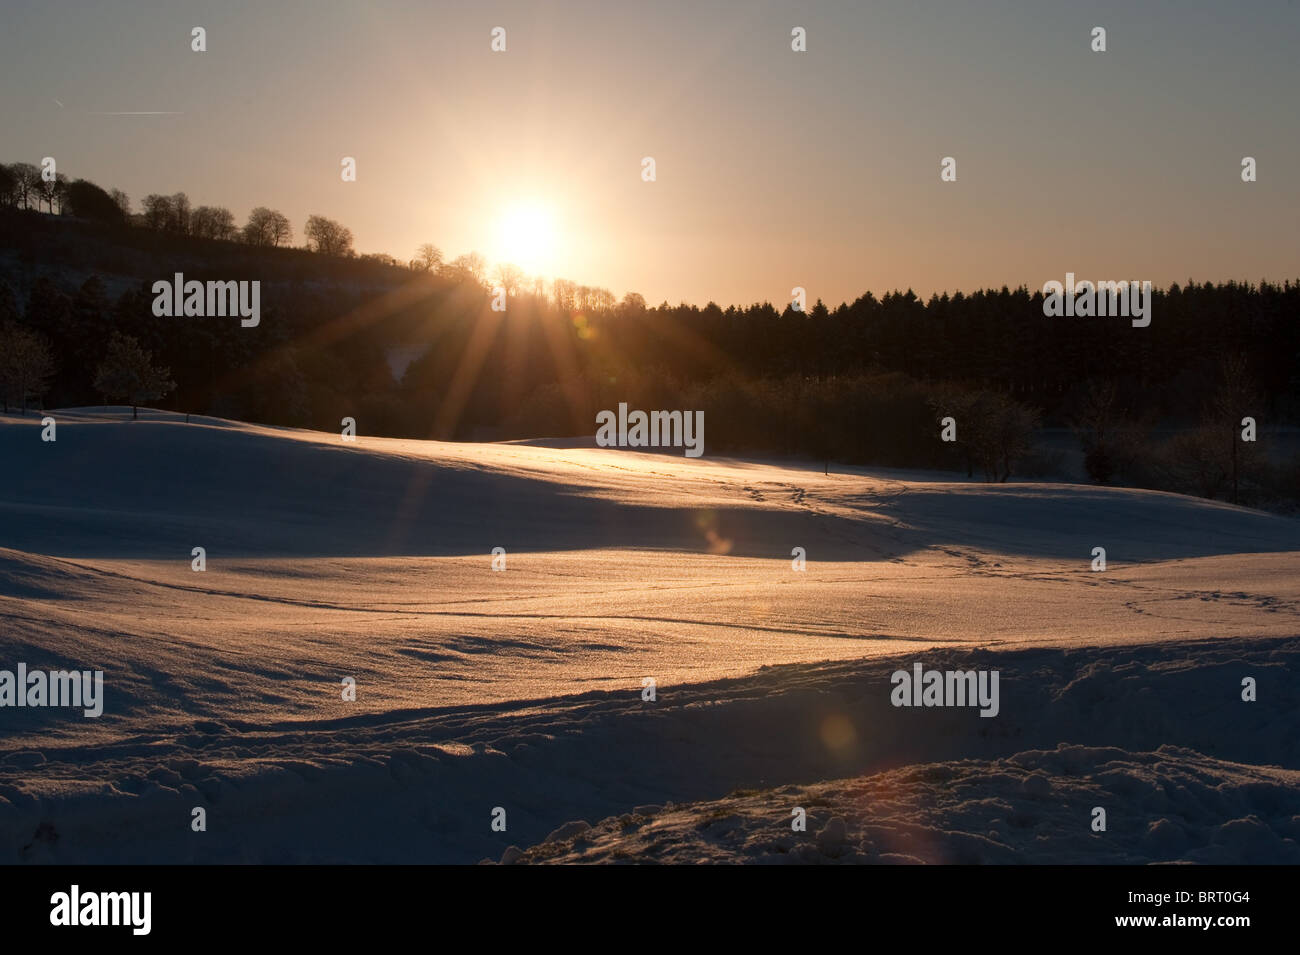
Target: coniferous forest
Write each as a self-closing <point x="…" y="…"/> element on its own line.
<point x="415" y="350"/>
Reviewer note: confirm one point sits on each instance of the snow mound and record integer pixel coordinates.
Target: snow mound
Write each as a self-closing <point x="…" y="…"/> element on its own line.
<point x="1171" y="805"/>
<point x="523" y="689"/>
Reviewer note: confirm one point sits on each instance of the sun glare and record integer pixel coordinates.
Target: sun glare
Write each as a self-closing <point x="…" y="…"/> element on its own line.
<point x="527" y="237"/>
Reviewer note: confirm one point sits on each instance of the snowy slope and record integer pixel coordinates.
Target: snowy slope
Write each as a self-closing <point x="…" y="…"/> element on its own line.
<point x="522" y="688"/>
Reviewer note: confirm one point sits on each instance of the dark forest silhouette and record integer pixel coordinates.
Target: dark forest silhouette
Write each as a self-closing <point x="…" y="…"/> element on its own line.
<point x="862" y="383"/>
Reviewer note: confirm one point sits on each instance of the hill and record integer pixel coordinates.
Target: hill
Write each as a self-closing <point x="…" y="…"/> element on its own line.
<point x="523" y="688"/>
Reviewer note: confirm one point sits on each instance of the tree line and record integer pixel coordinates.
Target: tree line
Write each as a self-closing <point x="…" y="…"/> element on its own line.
<point x="25" y="186"/>
<point x="862" y="382"/>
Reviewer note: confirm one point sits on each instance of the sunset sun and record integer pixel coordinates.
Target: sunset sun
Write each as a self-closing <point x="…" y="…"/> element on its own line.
<point x="527" y="236"/>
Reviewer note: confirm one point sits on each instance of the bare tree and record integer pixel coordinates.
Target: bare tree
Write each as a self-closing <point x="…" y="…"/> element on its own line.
<point x="128" y="372"/>
<point x="52" y="191"/>
<point x="123" y="201"/>
<point x="509" y="277"/>
<point x="1013" y="434"/>
<point x="428" y="258"/>
<point x="26" y="365"/>
<point x="328" y="237"/>
<point x="27" y="183"/>
<point x="8" y="186"/>
<point x="1095" y="423"/>
<point x="157" y="211"/>
<point x="470" y="266"/>
<point x="267" y="227"/>
<point x="1236" y="398"/>
<point x="564" y="293"/>
<point x="181" y="214"/>
<point x="993" y="431"/>
<point x="281" y="231"/>
<point x="1196" y="462"/>
<point x="213" y="222"/>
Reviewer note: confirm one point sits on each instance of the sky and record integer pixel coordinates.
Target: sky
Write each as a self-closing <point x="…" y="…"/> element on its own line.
<point x="774" y="168"/>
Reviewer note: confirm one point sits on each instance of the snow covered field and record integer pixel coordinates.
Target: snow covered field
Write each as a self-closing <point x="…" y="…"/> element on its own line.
<point x="522" y="688"/>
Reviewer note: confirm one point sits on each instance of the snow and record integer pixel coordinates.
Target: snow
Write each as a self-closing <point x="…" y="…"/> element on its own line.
<point x="522" y="688"/>
<point x="971" y="812"/>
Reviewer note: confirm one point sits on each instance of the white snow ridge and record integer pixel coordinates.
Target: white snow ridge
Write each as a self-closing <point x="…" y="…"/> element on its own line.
<point x="1162" y="691"/>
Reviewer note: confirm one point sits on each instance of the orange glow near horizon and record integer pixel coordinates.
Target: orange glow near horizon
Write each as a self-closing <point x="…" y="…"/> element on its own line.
<point x="528" y="235"/>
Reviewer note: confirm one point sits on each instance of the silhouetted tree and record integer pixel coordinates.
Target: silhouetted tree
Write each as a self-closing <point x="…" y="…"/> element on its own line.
<point x="88" y="201"/>
<point x="509" y="277"/>
<point x="158" y="212"/>
<point x="563" y="292"/>
<point x="26" y="364"/>
<point x="1235" y="399"/>
<point x="51" y="191"/>
<point x="328" y="237"/>
<point x="428" y="258"/>
<point x="267" y="227"/>
<point x="128" y="372"/>
<point x="123" y="202"/>
<point x="181" y="214"/>
<point x="468" y="267"/>
<point x="8" y="187"/>
<point x="993" y="431"/>
<point x="27" y="183"/>
<point x="1095" y="423"/>
<point x="213" y="222"/>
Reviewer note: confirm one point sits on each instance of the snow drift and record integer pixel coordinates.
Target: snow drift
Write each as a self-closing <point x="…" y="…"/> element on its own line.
<point x="522" y="688"/>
